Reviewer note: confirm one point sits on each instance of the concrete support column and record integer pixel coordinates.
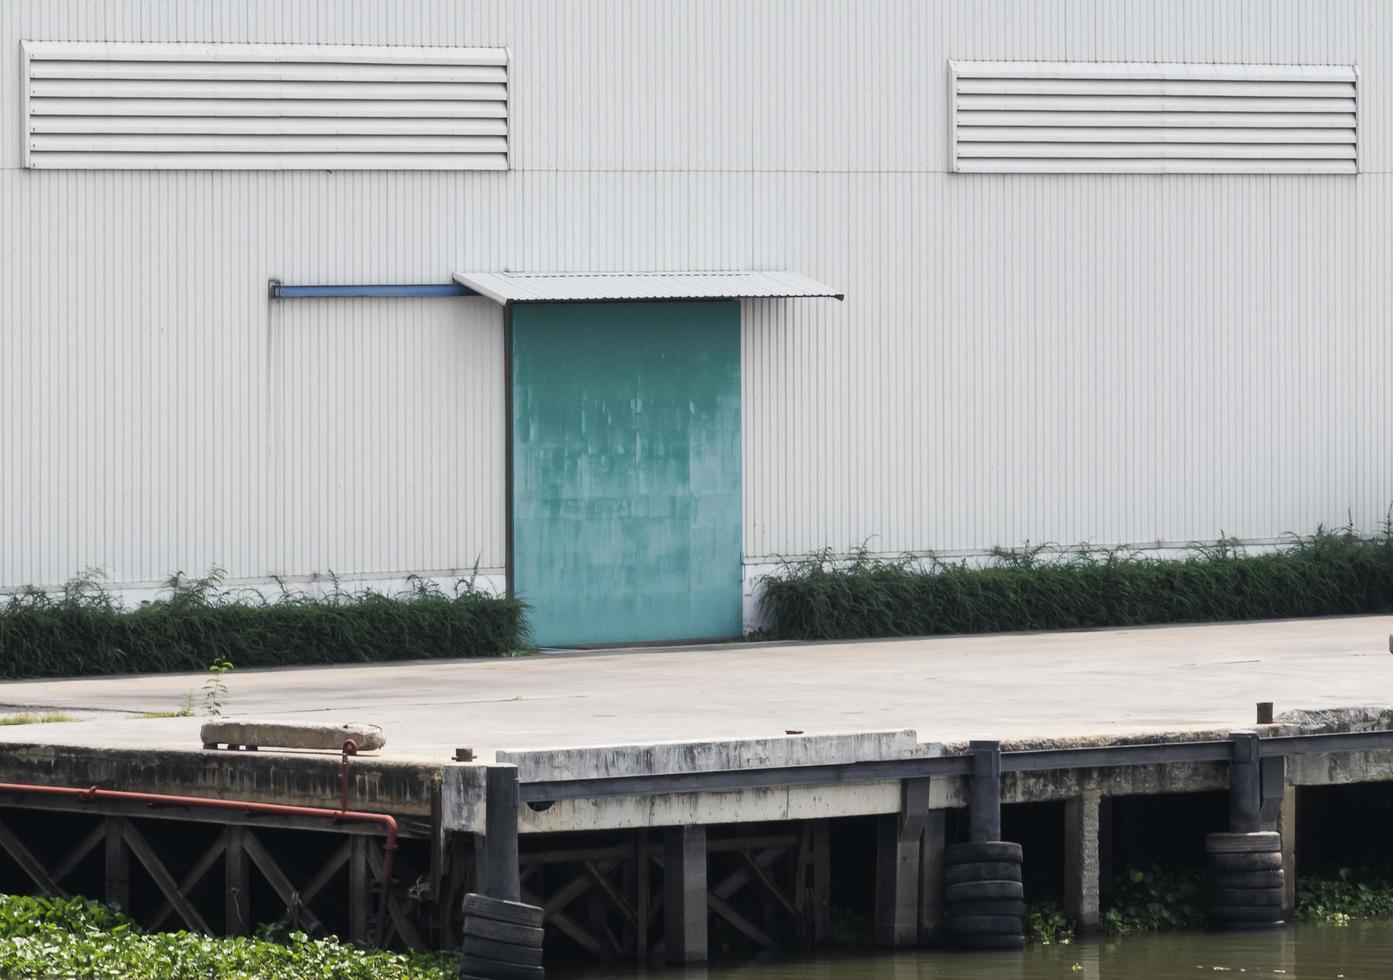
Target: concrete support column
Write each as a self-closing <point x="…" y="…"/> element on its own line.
<point x="898" y="837"/>
<point x="684" y="895"/>
<point x="1286" y="826"/>
<point x="1107" y="868"/>
<point x="1082" y="859"/>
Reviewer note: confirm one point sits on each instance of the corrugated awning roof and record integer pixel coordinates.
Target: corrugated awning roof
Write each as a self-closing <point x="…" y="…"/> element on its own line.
<point x="553" y="287"/>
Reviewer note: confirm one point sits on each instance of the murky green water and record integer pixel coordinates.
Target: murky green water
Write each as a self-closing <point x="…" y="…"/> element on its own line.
<point x="1309" y="951"/>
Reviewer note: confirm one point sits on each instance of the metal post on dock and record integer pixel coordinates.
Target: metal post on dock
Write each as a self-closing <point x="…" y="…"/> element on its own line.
<point x="501" y="878"/>
<point x="985" y="793"/>
<point x="1245" y="784"/>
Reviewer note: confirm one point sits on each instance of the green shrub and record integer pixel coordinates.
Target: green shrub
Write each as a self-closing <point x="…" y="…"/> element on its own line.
<point x="44" y="937"/>
<point x="1327" y="573"/>
<point x="85" y="630"/>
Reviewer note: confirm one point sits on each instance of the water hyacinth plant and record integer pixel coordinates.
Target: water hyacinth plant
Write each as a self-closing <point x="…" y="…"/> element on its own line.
<point x="80" y="939"/>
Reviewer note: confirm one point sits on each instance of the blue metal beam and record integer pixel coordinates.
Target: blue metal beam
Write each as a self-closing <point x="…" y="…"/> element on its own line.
<point x="280" y="290"/>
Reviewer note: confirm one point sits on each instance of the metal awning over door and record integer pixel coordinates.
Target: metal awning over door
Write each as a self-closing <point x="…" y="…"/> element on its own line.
<point x="562" y="287"/>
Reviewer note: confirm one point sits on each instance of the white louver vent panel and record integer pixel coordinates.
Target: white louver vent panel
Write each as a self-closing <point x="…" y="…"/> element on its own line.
<point x="264" y="107"/>
<point x="1057" y="117"/>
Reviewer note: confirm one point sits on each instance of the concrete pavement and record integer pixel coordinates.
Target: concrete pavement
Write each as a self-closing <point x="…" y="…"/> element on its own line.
<point x="945" y="688"/>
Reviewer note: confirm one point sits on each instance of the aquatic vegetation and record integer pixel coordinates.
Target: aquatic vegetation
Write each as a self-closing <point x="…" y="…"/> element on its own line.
<point x="1349" y="895"/>
<point x="48" y="937"/>
<point x="1046" y="923"/>
<point x="1155" y="900"/>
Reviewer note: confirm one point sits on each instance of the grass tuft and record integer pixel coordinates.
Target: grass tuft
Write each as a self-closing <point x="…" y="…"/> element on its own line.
<point x="1330" y="572"/>
<point x="85" y="630"/>
<point x="28" y="718"/>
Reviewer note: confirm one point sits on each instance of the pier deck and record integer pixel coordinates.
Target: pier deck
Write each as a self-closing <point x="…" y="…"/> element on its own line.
<point x="944" y="688"/>
<point x="720" y="769"/>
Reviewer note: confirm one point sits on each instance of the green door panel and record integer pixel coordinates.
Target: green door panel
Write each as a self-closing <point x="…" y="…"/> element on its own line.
<point x="626" y="470"/>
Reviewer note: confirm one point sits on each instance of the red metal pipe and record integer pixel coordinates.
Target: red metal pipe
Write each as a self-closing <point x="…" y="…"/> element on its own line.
<point x="350" y="747"/>
<point x="345" y="815"/>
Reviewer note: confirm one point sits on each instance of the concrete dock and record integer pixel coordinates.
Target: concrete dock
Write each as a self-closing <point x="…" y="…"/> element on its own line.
<point x="944" y="688"/>
<point x="887" y="722"/>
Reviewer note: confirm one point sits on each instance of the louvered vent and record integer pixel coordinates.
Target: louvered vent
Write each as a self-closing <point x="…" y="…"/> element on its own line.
<point x="1056" y="117"/>
<point x="264" y="107"/>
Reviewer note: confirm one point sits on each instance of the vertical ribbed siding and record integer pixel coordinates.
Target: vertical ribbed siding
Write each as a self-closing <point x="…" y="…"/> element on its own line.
<point x="1060" y="358"/>
<point x="384" y="458"/>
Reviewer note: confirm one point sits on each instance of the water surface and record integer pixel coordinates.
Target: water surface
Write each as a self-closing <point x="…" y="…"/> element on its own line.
<point x="1311" y="950"/>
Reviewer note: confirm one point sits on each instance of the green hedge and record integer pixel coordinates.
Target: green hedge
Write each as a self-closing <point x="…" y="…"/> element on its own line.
<point x="1327" y="573"/>
<point x="85" y="630"/>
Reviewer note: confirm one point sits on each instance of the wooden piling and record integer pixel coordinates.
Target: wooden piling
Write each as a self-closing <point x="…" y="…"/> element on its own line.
<point x="985" y="792"/>
<point x="1245" y="784"/>
<point x="237" y="895"/>
<point x="118" y="864"/>
<point x="932" y="917"/>
<point x="898" y="837"/>
<point x="501" y="834"/>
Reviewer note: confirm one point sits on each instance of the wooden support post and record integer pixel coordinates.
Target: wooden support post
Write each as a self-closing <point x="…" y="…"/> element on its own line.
<point x="985" y="791"/>
<point x="1286" y="826"/>
<point x="359" y="889"/>
<point x="641" y="896"/>
<point x="684" y="894"/>
<point x="1082" y="859"/>
<point x="822" y="883"/>
<point x="1245" y="784"/>
<point x="501" y="834"/>
<point x="932" y="924"/>
<point x="237" y="919"/>
<point x="898" y="836"/>
<point x="118" y="864"/>
<point x="1274" y="784"/>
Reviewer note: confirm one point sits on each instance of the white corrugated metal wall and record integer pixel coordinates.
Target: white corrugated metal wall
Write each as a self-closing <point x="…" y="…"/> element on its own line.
<point x="1061" y="358"/>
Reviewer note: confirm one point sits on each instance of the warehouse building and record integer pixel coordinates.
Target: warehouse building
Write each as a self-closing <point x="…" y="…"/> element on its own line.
<point x="619" y="302"/>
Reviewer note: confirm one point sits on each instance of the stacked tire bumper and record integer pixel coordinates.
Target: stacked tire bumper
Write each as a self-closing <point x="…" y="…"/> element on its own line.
<point x="1246" y="881"/>
<point x="502" y="940"/>
<point x="983" y="895"/>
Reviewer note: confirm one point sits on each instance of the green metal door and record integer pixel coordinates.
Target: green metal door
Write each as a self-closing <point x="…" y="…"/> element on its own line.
<point x="626" y="470"/>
